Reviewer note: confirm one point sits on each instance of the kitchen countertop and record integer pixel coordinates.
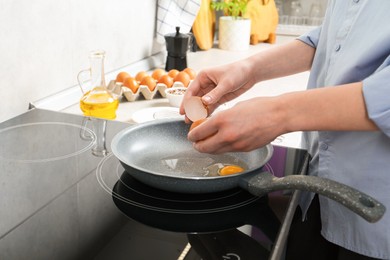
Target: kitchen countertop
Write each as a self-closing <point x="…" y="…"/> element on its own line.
<point x="214" y="57"/>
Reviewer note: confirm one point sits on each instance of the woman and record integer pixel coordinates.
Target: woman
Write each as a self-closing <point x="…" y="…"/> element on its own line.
<point x="345" y="116"/>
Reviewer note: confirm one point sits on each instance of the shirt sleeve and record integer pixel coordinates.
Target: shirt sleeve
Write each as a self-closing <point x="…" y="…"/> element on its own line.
<point x="312" y="37"/>
<point x="376" y="92"/>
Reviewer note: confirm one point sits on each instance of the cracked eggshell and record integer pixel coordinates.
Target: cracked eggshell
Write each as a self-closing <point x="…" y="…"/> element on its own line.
<point x="195" y="109"/>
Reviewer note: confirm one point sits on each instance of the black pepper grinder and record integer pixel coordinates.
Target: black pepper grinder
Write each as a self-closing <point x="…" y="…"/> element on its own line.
<point x="177" y="46"/>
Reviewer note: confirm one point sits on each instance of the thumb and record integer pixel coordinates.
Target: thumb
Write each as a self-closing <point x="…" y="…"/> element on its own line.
<point x="212" y="97"/>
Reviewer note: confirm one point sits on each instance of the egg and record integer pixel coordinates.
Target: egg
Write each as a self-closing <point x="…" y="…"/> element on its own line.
<point x="157" y="73"/>
<point x="150" y="82"/>
<point x="190" y="72"/>
<point x="230" y="169"/>
<point x="132" y="84"/>
<point x="167" y="80"/>
<point x="222" y="169"/>
<point x="195" y="109"/>
<point x="182" y="77"/>
<point x="122" y="76"/>
<point x="197" y="123"/>
<point x="173" y="72"/>
<point x="140" y="75"/>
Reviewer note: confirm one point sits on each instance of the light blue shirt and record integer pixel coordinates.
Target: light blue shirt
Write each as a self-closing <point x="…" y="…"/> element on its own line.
<point x="353" y="45"/>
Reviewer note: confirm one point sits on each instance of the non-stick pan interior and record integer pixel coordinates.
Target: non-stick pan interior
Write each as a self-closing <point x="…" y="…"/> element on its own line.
<point x="161" y="147"/>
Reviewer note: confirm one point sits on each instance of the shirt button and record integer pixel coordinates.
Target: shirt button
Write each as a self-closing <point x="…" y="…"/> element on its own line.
<point x="356" y="1"/>
<point x="323" y="146"/>
<point x="338" y="47"/>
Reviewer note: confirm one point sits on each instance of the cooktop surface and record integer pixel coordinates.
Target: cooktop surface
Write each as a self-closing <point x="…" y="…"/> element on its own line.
<point x="65" y="196"/>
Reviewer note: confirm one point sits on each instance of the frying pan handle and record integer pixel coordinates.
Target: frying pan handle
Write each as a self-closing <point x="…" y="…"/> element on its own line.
<point x="360" y="203"/>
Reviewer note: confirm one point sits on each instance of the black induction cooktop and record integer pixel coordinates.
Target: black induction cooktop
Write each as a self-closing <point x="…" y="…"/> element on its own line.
<point x="61" y="201"/>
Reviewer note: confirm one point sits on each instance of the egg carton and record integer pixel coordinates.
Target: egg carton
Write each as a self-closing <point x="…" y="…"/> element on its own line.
<point x="143" y="90"/>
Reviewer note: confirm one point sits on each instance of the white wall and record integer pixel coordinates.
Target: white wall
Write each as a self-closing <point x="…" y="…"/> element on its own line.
<point x="44" y="43"/>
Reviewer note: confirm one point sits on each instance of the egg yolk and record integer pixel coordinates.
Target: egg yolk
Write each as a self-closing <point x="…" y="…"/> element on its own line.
<point x="230" y="169"/>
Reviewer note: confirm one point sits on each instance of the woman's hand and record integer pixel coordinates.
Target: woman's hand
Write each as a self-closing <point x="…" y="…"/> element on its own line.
<point x="245" y="127"/>
<point x="256" y="122"/>
<point x="219" y="85"/>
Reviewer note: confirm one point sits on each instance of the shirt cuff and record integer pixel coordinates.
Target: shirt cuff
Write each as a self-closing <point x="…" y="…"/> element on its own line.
<point x="376" y="92"/>
<point x="312" y="37"/>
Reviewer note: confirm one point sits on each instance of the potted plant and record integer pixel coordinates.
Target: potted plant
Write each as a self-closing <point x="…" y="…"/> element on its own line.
<point x="233" y="8"/>
<point x="234" y="29"/>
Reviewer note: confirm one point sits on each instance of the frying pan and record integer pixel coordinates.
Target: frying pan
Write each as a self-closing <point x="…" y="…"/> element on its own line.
<point x="159" y="154"/>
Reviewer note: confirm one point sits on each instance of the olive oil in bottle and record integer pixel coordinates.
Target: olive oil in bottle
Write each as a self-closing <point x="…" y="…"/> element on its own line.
<point x="99" y="103"/>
